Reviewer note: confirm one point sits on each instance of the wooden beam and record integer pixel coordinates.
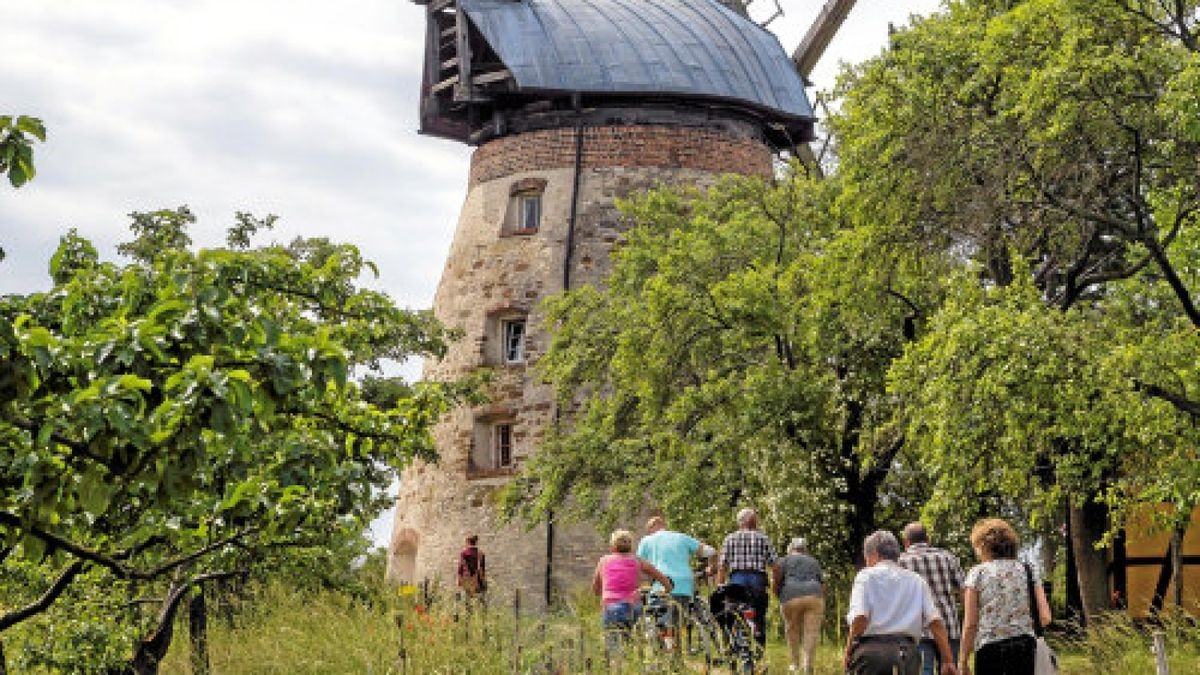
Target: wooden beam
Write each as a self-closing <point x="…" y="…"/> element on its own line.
<point x="464" y="56"/>
<point x="489" y="78"/>
<point x="809" y="53"/>
<point x="819" y="35"/>
<point x="444" y="84"/>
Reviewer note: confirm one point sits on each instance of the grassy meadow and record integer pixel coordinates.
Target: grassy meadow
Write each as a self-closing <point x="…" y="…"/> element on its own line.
<point x="284" y="631"/>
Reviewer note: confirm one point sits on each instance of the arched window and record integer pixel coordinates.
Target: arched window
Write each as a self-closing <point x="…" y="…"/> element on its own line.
<point x="402" y="568"/>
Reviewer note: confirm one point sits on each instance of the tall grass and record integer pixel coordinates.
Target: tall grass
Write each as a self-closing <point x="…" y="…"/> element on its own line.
<point x="1117" y="645"/>
<point x="278" y="630"/>
<point x="284" y="631"/>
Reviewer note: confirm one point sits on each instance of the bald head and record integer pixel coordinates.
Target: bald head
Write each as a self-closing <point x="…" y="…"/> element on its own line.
<point x="915" y="533"/>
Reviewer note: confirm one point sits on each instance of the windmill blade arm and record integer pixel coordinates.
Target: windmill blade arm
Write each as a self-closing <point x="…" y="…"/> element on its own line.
<point x="819" y="35"/>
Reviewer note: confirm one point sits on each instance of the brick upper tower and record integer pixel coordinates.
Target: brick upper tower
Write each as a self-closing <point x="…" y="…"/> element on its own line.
<point x="571" y="104"/>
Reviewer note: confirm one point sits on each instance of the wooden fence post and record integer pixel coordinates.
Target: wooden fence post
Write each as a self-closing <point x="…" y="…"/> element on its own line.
<point x="546" y="648"/>
<point x="198" y="632"/>
<point x="583" y="660"/>
<point x="516" y="631"/>
<point x="1160" y="654"/>
<point x="402" y="656"/>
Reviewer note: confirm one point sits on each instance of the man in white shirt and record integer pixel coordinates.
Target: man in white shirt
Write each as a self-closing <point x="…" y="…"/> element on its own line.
<point x="889" y="609"/>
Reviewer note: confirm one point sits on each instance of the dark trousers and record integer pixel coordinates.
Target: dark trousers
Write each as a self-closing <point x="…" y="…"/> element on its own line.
<point x="931" y="661"/>
<point x="756" y="584"/>
<point x="885" y="655"/>
<point x="1013" y="656"/>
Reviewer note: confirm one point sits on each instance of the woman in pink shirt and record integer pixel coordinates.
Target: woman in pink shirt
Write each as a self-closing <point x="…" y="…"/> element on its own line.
<point x="616" y="581"/>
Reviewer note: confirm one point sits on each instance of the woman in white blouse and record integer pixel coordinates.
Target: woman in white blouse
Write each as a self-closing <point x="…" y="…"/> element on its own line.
<point x="997" y="625"/>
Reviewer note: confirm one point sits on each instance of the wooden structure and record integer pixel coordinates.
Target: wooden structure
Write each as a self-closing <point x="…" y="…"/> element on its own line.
<point x="1153" y="571"/>
<point x="497" y="67"/>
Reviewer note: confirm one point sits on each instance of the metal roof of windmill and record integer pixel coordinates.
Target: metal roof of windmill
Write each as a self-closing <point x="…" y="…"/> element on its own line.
<point x="681" y="47"/>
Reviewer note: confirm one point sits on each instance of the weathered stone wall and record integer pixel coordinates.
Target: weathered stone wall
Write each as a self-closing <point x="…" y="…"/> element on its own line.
<point x="495" y="272"/>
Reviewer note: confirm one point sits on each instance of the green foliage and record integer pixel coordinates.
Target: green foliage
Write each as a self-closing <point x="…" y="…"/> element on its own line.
<point x="191" y="415"/>
<point x="1050" y="145"/>
<point x="737" y="356"/>
<point x="70" y="638"/>
<point x="17" y="135"/>
<point x="991" y="302"/>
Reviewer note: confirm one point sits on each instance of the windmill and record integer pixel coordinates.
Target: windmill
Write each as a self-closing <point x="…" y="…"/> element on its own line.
<point x="570" y="105"/>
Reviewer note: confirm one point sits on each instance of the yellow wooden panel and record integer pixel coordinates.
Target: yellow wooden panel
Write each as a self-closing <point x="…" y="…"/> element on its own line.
<point x="1143" y="540"/>
<point x="1191" y="589"/>
<point x="1141" y="582"/>
<point x="1191" y="538"/>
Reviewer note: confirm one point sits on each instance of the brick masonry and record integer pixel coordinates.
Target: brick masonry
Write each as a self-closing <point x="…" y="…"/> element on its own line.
<point x="492" y="273"/>
<point x="705" y="150"/>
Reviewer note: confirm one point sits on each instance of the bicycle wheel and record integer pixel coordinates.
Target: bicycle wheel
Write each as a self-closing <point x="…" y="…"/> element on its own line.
<point x="705" y="648"/>
<point x="616" y="643"/>
<point x="744" y="649"/>
<point x="700" y="639"/>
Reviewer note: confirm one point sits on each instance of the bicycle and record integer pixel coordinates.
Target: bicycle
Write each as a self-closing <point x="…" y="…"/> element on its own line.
<point x="734" y="614"/>
<point x="698" y="635"/>
<point x="675" y="632"/>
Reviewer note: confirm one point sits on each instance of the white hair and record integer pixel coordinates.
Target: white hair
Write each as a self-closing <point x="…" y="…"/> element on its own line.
<point x="797" y="545"/>
<point x="883" y="544"/>
<point x="746" y="516"/>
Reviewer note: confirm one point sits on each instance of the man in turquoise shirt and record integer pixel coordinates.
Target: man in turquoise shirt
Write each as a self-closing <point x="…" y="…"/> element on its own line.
<point x="672" y="553"/>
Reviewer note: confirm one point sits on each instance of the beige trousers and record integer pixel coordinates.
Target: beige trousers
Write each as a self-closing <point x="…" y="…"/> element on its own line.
<point x="802" y="621"/>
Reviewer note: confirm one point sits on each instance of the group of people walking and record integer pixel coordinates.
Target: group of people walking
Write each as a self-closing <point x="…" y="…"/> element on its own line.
<point x="903" y="612"/>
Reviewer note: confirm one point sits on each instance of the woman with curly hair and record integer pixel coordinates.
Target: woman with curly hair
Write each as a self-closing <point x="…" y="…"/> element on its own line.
<point x="997" y="624"/>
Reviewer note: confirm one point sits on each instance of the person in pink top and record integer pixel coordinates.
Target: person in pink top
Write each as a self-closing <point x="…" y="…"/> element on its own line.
<point x="616" y="581"/>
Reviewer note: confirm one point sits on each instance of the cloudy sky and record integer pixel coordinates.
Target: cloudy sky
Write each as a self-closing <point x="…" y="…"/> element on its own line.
<point x="303" y="109"/>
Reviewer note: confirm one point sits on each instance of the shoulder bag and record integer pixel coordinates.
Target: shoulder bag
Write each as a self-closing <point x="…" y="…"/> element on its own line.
<point x="1045" y="662"/>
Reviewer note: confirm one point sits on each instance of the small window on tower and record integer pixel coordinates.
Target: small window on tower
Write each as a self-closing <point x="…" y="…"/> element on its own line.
<point x="513" y="334"/>
<point x="494" y="440"/>
<point x="530" y="212"/>
<point x="525" y="207"/>
<point x="502" y="442"/>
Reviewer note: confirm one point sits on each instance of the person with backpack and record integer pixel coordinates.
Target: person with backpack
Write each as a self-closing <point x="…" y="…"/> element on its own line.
<point x="472" y="569"/>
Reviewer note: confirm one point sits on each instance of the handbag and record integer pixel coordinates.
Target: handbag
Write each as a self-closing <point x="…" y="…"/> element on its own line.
<point x="1045" y="661"/>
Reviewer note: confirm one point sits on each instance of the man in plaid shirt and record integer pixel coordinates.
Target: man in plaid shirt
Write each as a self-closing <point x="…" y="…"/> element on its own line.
<point x="746" y="557"/>
<point x="944" y="576"/>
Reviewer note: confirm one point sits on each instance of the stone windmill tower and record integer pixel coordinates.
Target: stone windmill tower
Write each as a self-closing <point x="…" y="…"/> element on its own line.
<point x="570" y="104"/>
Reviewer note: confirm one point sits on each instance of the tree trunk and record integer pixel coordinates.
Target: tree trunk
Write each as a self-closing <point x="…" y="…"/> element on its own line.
<point x="198" y="632"/>
<point x="148" y="652"/>
<point x="862" y="523"/>
<point x="1088" y="525"/>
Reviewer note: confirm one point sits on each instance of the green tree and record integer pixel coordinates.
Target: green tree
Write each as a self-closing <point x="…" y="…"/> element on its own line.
<point x="1052" y="145"/>
<point x="184" y="416"/>
<point x="736" y="356"/>
<point x="16" y="149"/>
<point x="17" y="135"/>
